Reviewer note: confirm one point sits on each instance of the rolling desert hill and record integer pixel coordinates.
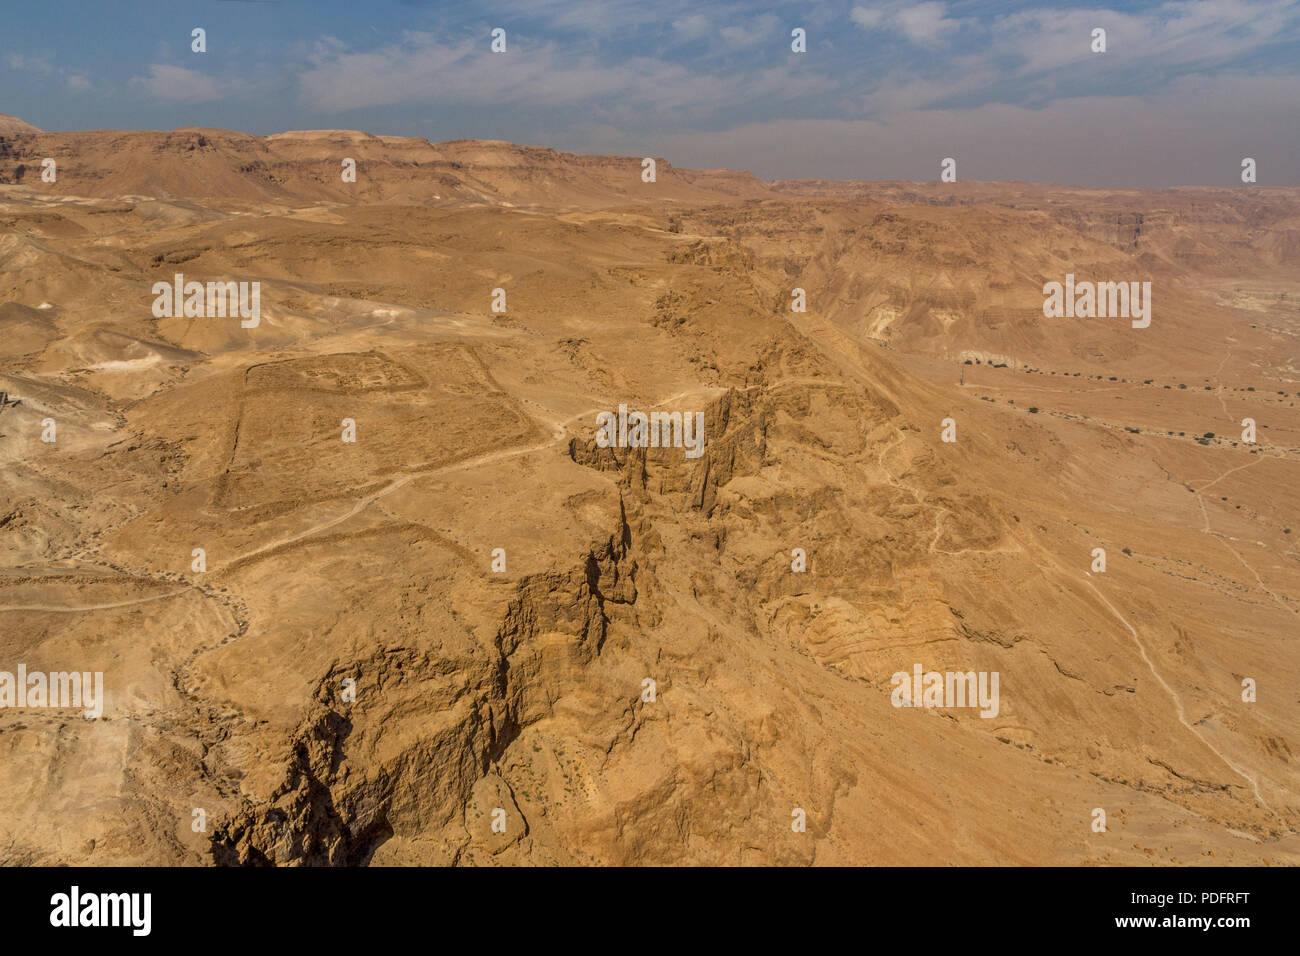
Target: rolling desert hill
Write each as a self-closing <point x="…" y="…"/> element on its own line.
<point x="353" y="678"/>
<point x="214" y="164"/>
<point x="13" y="126"/>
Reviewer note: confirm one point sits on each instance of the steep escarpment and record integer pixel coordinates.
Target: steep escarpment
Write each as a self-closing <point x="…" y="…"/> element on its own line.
<point x="409" y="748"/>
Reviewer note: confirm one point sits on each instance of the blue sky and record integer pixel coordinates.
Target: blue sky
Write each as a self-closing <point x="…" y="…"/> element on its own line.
<point x="884" y="91"/>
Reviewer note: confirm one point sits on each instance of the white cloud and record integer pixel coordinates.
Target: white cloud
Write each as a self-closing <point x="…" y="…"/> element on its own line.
<point x="1175" y="34"/>
<point x="43" y="66"/>
<point x="692" y="27"/>
<point x="1039" y="55"/>
<point x="29" y="64"/>
<point x="591" y="17"/>
<point x="924" y="22"/>
<point x="752" y="32"/>
<point x="423" y="69"/>
<point x="175" y="84"/>
<point x="866" y="18"/>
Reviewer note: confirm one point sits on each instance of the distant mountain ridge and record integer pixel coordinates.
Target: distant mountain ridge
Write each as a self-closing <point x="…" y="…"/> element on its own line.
<point x="206" y="164"/>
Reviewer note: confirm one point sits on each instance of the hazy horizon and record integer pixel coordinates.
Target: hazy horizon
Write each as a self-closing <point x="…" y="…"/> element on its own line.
<point x="630" y="155"/>
<point x="1183" y="92"/>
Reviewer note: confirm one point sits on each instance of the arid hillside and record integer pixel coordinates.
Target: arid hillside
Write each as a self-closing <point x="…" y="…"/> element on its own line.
<point x="216" y="164"/>
<point x="474" y="634"/>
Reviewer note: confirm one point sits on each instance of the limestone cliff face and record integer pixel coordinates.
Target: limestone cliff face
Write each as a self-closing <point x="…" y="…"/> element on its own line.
<point x="340" y="795"/>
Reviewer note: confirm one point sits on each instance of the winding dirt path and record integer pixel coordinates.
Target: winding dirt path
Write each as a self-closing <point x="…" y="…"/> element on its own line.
<point x="1223" y="539"/>
<point x="1180" y="710"/>
<point x="1178" y="701"/>
<point x="93" y="607"/>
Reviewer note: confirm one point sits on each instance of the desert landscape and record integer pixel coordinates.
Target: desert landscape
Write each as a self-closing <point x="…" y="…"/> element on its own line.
<point x="366" y="586"/>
